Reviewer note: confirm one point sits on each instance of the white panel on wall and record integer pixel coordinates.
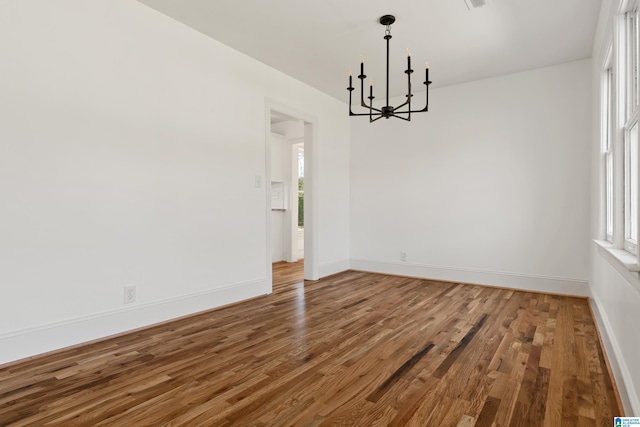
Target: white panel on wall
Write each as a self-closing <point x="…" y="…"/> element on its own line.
<point x="129" y="147"/>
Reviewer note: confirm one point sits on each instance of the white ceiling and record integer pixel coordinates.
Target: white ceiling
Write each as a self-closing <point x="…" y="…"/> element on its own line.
<point x="318" y="41"/>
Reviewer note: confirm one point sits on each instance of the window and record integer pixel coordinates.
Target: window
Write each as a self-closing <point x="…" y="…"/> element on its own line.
<point x="631" y="131"/>
<point x="631" y="189"/>
<point x="607" y="149"/>
<point x="619" y="137"/>
<point x="631" y="42"/>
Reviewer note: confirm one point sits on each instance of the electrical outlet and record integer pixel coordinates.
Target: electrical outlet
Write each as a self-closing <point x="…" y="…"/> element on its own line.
<point x="403" y="256"/>
<point x="129" y="294"/>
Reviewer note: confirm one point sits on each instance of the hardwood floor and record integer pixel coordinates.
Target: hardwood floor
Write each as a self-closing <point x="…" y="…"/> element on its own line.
<point x="352" y="349"/>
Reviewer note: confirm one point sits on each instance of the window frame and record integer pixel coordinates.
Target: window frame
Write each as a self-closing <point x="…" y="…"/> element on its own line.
<point x="631" y="58"/>
<point x="631" y="186"/>
<point x="607" y="126"/>
<point x="620" y="139"/>
<point x="629" y="132"/>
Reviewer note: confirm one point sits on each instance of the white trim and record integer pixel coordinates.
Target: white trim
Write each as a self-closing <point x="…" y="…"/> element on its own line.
<point x="618" y="256"/>
<point x="311" y="141"/>
<point x="32" y="341"/>
<point x="311" y="207"/>
<point x="630" y="222"/>
<point x="297" y="250"/>
<point x="622" y="261"/>
<point x="291" y="226"/>
<point x="267" y="194"/>
<point x="607" y="126"/>
<point x="620" y="371"/>
<point x="527" y="282"/>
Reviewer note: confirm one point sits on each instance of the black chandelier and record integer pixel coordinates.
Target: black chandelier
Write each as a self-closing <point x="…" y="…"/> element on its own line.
<point x="388" y="111"/>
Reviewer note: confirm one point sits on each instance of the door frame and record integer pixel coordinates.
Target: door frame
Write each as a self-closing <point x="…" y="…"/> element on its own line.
<point x="311" y="271"/>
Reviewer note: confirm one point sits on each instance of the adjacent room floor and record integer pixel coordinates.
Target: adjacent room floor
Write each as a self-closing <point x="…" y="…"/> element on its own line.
<point x="352" y="349"/>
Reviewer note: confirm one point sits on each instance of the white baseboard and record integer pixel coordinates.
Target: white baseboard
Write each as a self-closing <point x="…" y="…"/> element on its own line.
<point x="527" y="282"/>
<point x="33" y="341"/>
<point x="628" y="395"/>
<point x="330" y="268"/>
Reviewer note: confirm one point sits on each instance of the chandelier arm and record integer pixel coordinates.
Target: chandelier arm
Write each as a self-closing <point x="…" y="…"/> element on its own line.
<point x="401" y="105"/>
<point x="362" y="103"/>
<point x="407" y="102"/>
<point x="351" y="113"/>
<point x="371" y="107"/>
<point x="350" y="89"/>
<point x="362" y="76"/>
<point x="426" y="83"/>
<point x="411" y="111"/>
<point x="426" y="107"/>
<point x="363" y="114"/>
<point x="387" y="111"/>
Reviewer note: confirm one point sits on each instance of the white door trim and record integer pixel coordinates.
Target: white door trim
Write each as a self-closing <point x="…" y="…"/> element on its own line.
<point x="311" y="271"/>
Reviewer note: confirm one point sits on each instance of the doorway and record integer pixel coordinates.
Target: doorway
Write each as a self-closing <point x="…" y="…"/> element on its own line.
<point x="290" y="172"/>
<point x="297" y="243"/>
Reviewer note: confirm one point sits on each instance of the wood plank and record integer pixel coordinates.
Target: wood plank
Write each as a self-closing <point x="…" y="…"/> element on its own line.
<point x="355" y="348"/>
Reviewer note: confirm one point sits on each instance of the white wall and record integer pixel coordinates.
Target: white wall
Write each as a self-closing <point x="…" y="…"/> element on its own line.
<point x="615" y="292"/>
<point x="488" y="187"/>
<point x="129" y="144"/>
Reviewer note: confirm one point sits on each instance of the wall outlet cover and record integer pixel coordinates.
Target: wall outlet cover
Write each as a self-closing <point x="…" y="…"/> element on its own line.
<point x="129" y="294"/>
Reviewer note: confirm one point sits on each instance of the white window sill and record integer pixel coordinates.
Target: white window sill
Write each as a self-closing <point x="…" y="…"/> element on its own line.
<point x="628" y="260"/>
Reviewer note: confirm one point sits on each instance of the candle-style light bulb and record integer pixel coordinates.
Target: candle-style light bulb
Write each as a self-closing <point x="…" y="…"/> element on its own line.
<point x="350" y="72"/>
<point x="361" y="58"/>
<point x="426" y="73"/>
<point x="408" y="52"/>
